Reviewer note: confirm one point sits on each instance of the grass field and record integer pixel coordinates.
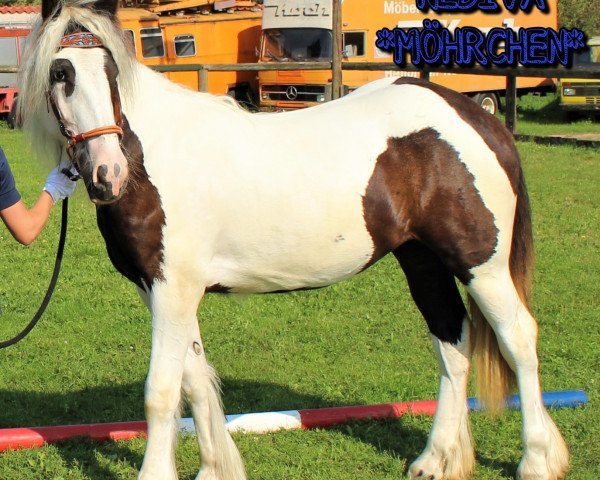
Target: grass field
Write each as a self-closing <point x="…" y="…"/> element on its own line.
<point x="358" y="342"/>
<point x="541" y="115"/>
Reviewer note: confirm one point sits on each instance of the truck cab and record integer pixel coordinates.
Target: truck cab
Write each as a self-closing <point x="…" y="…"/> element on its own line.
<point x="302" y="31"/>
<point x="582" y="95"/>
<point x="295" y="32"/>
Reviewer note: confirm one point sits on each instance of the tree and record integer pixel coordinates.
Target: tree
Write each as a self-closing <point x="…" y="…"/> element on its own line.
<point x="579" y="14"/>
<point x="19" y="2"/>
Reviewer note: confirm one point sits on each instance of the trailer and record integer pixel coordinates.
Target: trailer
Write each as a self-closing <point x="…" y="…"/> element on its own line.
<point x="162" y="33"/>
<point x="12" y="42"/>
<point x="196" y="32"/>
<point x="301" y="31"/>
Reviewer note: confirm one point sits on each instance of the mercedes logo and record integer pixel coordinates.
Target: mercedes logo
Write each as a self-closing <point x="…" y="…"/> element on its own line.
<point x="291" y="92"/>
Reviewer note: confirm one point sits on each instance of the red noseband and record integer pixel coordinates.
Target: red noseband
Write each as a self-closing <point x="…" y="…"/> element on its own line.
<point x="96" y="132"/>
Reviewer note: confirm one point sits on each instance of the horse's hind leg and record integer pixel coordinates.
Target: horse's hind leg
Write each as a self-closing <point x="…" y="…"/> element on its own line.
<point x="220" y="457"/>
<point x="449" y="451"/>
<point x="546" y="456"/>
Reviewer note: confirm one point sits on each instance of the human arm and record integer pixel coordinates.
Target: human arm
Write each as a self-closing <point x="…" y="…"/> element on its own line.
<point x="26" y="224"/>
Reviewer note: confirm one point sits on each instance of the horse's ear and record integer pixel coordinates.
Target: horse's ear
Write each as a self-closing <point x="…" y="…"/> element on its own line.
<point x="107" y="6"/>
<point x="50" y="8"/>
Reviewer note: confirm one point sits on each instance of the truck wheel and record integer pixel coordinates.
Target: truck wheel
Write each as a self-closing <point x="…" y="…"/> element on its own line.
<point x="11" y="118"/>
<point x="244" y="96"/>
<point x="488" y="101"/>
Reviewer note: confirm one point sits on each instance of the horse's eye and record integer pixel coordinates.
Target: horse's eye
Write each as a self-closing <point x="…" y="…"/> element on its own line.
<point x="58" y="75"/>
<point x="62" y="71"/>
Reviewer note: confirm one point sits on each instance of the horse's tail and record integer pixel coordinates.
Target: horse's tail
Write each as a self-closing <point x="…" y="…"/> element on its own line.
<point x="494" y="378"/>
<point x="229" y="465"/>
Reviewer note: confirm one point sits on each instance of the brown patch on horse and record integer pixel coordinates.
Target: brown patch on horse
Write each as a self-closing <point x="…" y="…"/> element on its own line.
<point x="217" y="288"/>
<point x="502" y="143"/>
<point x="132" y="226"/>
<point x="433" y="289"/>
<point x="420" y="190"/>
<point x="489" y="128"/>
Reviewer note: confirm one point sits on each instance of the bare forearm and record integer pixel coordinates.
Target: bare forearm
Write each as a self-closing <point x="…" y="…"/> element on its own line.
<point x="26" y="224"/>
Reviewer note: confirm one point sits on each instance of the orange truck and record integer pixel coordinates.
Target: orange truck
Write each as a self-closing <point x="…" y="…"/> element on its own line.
<point x="164" y="33"/>
<point x="301" y="31"/>
<point x="15" y="26"/>
<point x="198" y="32"/>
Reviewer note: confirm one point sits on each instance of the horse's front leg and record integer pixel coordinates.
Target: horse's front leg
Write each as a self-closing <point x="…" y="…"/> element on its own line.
<point x="220" y="457"/>
<point x="174" y="321"/>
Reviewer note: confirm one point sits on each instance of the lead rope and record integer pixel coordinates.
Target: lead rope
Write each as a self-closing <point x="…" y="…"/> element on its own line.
<point x="50" y="291"/>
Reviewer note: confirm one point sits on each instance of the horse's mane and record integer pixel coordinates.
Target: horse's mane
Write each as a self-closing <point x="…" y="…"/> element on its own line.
<point x="44" y="43"/>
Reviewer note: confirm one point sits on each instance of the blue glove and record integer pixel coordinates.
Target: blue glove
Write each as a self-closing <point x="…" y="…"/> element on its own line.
<point x="58" y="185"/>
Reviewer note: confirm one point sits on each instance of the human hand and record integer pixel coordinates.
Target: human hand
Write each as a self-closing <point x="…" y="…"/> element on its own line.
<point x="59" y="185"/>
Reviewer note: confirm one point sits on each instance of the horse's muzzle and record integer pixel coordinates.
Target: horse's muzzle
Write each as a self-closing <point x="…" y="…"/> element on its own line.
<point x="103" y="190"/>
<point x="102" y="193"/>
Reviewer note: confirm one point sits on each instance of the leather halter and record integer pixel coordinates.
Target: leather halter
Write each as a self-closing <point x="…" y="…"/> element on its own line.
<point x="87" y="40"/>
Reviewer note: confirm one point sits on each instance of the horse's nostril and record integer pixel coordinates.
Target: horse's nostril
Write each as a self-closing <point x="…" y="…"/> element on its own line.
<point x="100" y="187"/>
<point x="117" y="169"/>
<point x="102" y="191"/>
<point x="102" y="173"/>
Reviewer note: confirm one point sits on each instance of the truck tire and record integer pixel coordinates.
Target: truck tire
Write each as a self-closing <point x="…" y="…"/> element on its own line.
<point x="488" y="101"/>
<point x="244" y="95"/>
<point x="11" y="118"/>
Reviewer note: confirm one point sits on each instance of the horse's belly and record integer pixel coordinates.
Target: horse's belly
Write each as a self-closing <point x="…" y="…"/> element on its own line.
<point x="292" y="254"/>
<point x="257" y="277"/>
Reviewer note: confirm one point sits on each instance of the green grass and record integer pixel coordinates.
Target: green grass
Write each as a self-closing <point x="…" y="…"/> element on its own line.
<point x="358" y="342"/>
<point x="541" y="115"/>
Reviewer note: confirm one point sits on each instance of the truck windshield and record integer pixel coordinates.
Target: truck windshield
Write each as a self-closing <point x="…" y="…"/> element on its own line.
<point x="296" y="45"/>
<point x="588" y="57"/>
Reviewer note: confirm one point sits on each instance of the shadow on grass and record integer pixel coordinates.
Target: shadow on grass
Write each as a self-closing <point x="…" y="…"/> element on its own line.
<point x="550" y="113"/>
<point x="506" y="469"/>
<point x="83" y="454"/>
<point x="541" y="111"/>
<point x="400" y="438"/>
<point x="394" y="437"/>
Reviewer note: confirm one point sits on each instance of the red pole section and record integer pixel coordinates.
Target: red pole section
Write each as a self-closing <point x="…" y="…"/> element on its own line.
<point x="327" y="417"/>
<point x="18" y="438"/>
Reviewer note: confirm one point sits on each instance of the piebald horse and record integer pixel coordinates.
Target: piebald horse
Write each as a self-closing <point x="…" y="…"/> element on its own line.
<point x="196" y="195"/>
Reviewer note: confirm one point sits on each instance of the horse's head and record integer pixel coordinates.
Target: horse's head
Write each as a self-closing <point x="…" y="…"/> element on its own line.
<point x="84" y="97"/>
